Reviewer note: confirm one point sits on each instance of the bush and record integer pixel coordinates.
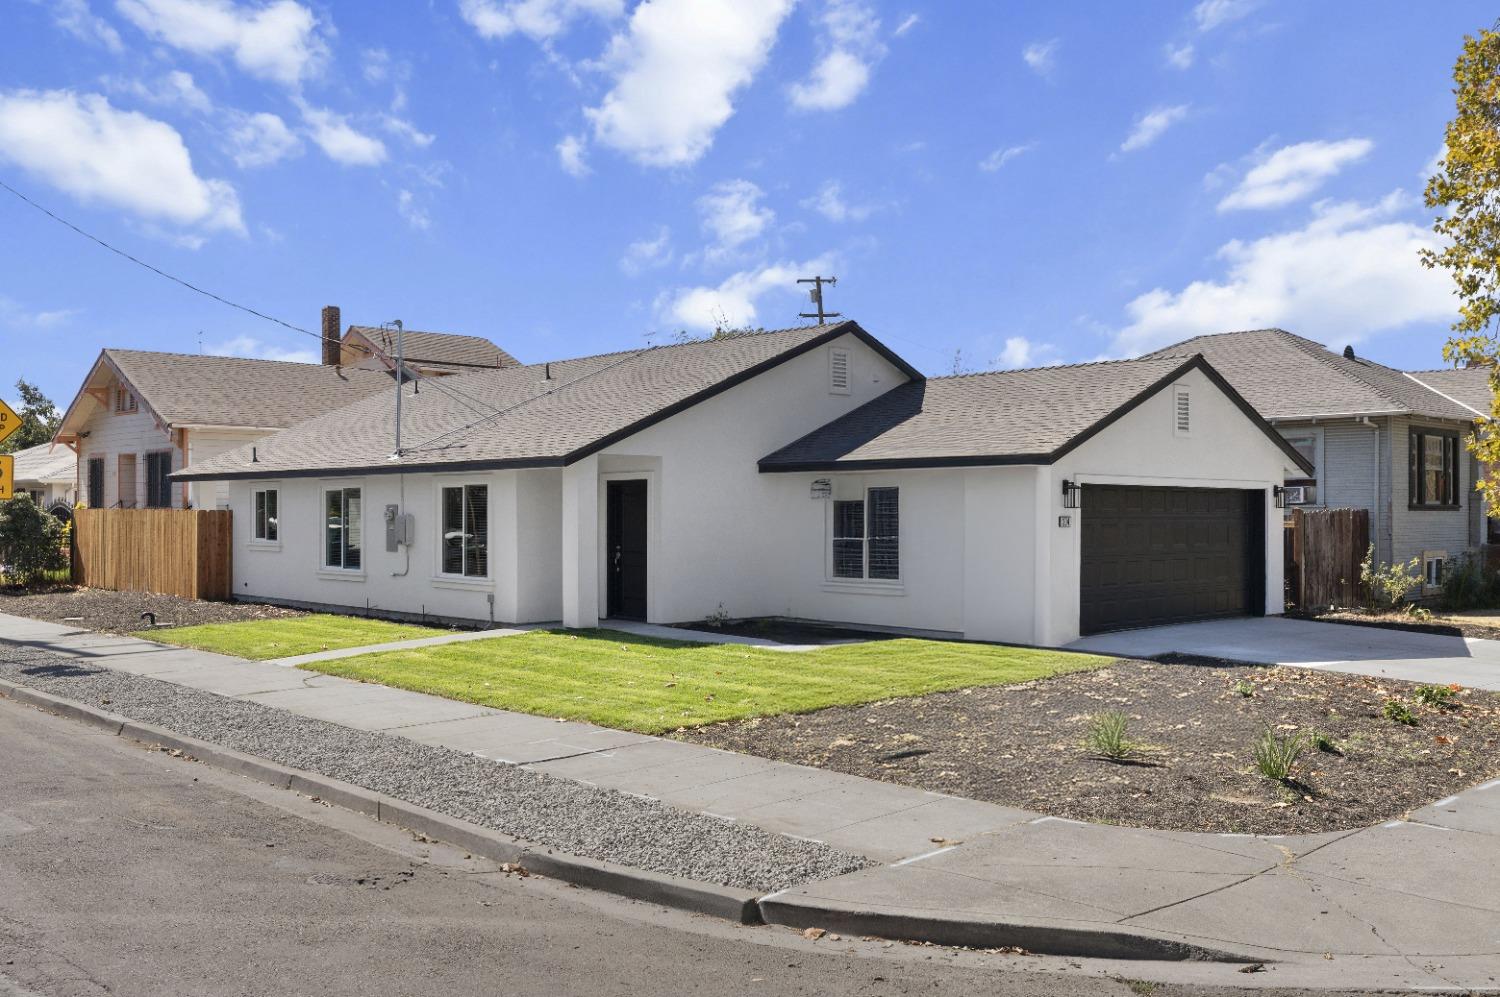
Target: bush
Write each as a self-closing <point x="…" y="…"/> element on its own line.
<point x="1276" y="756"/>
<point x="1245" y="688"/>
<point x="1398" y="711"/>
<point x="31" y="541"/>
<point x="1386" y="586"/>
<point x="1435" y="695"/>
<point x="1106" y="735"/>
<point x="1468" y="584"/>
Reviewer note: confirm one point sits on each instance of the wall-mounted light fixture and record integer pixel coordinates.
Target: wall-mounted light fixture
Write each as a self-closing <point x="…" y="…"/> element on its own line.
<point x="1070" y="493"/>
<point x="1278" y="495"/>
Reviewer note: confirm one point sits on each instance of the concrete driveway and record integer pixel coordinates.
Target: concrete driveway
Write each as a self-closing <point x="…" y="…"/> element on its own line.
<point x="1275" y="640"/>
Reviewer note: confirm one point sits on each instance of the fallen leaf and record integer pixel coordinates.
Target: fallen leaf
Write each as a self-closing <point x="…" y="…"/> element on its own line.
<point x="814" y="933"/>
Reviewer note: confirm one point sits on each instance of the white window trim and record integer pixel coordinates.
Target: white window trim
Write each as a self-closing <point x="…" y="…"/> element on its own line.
<point x="1429" y="556"/>
<point x="1181" y="393"/>
<point x="835" y="352"/>
<point x="866" y="585"/>
<point x="445" y="579"/>
<point x="326" y="570"/>
<point x="257" y="543"/>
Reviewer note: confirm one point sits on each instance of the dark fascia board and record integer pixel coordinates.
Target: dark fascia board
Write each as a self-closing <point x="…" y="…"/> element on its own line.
<point x="847" y="327"/>
<point x="1196" y="362"/>
<point x="842" y="329"/>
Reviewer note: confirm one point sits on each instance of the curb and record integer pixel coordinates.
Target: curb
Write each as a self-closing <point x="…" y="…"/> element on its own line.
<point x="637" y="884"/>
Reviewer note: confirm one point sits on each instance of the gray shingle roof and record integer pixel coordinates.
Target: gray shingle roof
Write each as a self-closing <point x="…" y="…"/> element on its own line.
<point x="186" y="389"/>
<point x="45" y="462"/>
<point x="438" y="348"/>
<point x="1285" y="376"/>
<point x="516" y="416"/>
<point x="1468" y="385"/>
<point x="1011" y="416"/>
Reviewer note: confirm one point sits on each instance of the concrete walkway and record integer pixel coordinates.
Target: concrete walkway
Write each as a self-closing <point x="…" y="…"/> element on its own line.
<point x="396" y="645"/>
<point x="1414" y="903"/>
<point x="1276" y="640"/>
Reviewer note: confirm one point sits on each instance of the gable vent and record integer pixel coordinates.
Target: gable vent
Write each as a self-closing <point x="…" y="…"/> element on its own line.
<point x="1182" y="412"/>
<point x="838" y="372"/>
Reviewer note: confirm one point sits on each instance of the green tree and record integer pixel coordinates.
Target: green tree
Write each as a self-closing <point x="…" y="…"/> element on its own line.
<point x="39" y="419"/>
<point x="31" y="541"/>
<point x="1466" y="190"/>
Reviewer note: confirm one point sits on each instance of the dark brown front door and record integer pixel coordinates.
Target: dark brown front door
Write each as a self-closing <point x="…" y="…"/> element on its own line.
<point x="1170" y="555"/>
<point x="625" y="548"/>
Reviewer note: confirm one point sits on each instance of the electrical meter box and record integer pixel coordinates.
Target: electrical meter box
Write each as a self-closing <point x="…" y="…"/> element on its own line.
<point x="400" y="527"/>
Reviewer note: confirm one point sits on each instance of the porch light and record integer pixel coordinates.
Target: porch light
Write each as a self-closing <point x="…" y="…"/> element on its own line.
<point x="1278" y="496"/>
<point x="1070" y="491"/>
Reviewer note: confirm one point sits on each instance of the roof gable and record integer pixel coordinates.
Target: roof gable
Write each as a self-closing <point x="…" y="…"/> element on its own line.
<point x="435" y="348"/>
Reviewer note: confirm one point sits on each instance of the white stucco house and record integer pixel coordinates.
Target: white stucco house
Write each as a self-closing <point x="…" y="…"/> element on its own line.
<point x="807" y="473"/>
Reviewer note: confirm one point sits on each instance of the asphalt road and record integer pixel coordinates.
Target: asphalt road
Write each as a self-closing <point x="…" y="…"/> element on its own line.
<point x="127" y="871"/>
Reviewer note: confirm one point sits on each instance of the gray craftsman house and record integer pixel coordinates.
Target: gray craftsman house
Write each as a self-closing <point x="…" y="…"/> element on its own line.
<point x="1381" y="439"/>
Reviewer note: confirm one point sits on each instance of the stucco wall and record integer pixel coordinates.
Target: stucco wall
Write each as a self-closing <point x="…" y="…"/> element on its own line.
<point x="203" y="444"/>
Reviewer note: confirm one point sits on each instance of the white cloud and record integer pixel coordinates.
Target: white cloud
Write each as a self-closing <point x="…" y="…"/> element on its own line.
<point x="1350" y="271"/>
<point x="249" y="346"/>
<point x="829" y="202"/>
<point x="851" y="46"/>
<point x="736" y="301"/>
<point x="416" y="216"/>
<point x="538" y="20"/>
<point x="1210" y="14"/>
<point x="83" y="145"/>
<point x="276" y="41"/>
<point x="1293" y="172"/>
<point x="731" y="214"/>
<point x="14" y="315"/>
<point x="175" y="89"/>
<point x="1434" y="165"/>
<point x="570" y="156"/>
<point x="339" y="140"/>
<point x="405" y="130"/>
<point x="676" y="66"/>
<point x="1150" y="126"/>
<point x="648" y="254"/>
<point x="259" y="139"/>
<point x="375" y="65"/>
<point x="78" y="19"/>
<point x="911" y="21"/>
<point x="1042" y="56"/>
<point x="1021" y="352"/>
<point x="1180" y="56"/>
<point x="997" y="159"/>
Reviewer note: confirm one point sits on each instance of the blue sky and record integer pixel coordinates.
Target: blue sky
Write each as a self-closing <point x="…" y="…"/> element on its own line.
<point x="1026" y="184"/>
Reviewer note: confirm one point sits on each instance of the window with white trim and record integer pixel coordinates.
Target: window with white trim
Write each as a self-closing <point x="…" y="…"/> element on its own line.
<point x="266" y="501"/>
<point x="838" y="372"/>
<point x="1434" y="568"/>
<point x="867" y="536"/>
<point x="1182" y="412"/>
<point x="466" y="531"/>
<point x="343" y="528"/>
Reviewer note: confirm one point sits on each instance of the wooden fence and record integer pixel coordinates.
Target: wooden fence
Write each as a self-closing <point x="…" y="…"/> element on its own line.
<point x="182" y="552"/>
<point x="1324" y="548"/>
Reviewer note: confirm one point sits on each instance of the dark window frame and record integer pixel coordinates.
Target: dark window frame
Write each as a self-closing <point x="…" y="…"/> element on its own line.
<point x="158" y="486"/>
<point x="1450" y="484"/>
<point x="265" y="516"/>
<point x="869" y="527"/>
<point x="472" y="531"/>
<point x="95" y="483"/>
<point x="350" y="554"/>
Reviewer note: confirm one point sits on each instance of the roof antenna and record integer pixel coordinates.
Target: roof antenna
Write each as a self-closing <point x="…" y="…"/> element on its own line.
<point x="400" y="376"/>
<point x="816" y="293"/>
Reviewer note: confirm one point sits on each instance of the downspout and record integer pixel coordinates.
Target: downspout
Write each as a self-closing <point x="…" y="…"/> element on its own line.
<point x="1365" y="420"/>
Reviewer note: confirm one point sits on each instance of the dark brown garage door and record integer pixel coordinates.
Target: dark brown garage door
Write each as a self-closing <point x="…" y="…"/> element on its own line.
<point x="1169" y="555"/>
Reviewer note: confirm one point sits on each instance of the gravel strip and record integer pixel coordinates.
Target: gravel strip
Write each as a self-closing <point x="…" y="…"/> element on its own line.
<point x="582" y="820"/>
<point x="120" y="612"/>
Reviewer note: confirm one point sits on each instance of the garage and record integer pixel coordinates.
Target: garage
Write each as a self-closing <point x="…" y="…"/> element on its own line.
<point x="1169" y="555"/>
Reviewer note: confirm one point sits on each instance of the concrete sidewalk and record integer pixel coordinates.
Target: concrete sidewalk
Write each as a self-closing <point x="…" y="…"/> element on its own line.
<point x="1410" y="904"/>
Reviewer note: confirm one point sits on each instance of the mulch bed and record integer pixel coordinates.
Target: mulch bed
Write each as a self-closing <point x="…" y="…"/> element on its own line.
<point x="1439" y="624"/>
<point x="1022" y="746"/>
<point x="120" y="612"/>
<point x="784" y="631"/>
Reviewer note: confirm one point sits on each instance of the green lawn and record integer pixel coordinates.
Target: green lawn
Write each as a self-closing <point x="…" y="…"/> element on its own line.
<point x="650" y="685"/>
<point x="262" y="639"/>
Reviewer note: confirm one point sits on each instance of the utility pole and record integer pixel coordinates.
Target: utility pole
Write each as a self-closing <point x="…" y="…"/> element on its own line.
<point x="400" y="376"/>
<point x="816" y="293"/>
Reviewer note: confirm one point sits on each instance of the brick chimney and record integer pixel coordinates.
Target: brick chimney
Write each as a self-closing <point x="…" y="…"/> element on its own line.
<point x="332" y="348"/>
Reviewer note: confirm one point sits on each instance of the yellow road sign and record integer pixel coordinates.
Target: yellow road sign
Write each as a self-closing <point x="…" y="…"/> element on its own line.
<point x="7" y="476"/>
<point x="9" y="423"/>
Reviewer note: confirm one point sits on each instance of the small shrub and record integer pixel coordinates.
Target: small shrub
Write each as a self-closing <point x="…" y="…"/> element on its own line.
<point x="1468" y="584"/>
<point x="31" y="541"/>
<point x="1245" y="688"/>
<point x="718" y="618"/>
<point x="1386" y="586"/>
<point x="1323" y="743"/>
<point x="1395" y="709"/>
<point x="1276" y="756"/>
<point x="1107" y="735"/>
<point x="1435" y="695"/>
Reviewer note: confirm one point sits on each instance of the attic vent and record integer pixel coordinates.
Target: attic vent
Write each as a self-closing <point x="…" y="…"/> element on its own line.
<point x="838" y="372"/>
<point x="1182" y="412"/>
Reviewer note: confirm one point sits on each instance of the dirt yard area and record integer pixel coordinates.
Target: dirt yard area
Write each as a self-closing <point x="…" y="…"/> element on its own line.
<point x="1194" y="724"/>
<point x="1468" y="624"/>
<point x="120" y="612"/>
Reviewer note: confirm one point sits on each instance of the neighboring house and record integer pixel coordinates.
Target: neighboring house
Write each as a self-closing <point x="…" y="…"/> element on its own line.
<point x="142" y="415"/>
<point x="1379" y="439"/>
<point x="49" y="474"/>
<point x="808" y="473"/>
